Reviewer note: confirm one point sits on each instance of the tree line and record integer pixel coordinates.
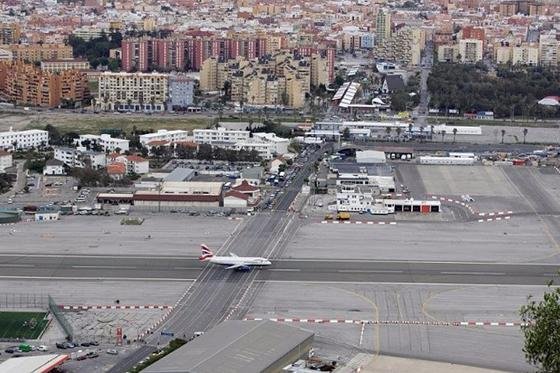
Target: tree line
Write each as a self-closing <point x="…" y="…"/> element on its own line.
<point x="510" y="91"/>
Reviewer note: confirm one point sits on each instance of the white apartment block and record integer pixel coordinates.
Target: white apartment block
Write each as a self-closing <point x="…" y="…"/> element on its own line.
<point x="75" y="158"/>
<point x="361" y="199"/>
<point x="106" y="142"/>
<point x="23" y="139"/>
<point x="265" y="149"/>
<point x="280" y="144"/>
<point x="165" y="135"/>
<point x="470" y="50"/>
<point x="219" y="136"/>
<point x="132" y="91"/>
<point x="5" y="160"/>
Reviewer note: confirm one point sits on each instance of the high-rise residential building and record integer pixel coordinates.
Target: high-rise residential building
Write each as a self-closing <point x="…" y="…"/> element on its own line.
<point x="448" y="53"/>
<point x="404" y="46"/>
<point x="10" y="33"/>
<point x="181" y="92"/>
<point x="525" y="54"/>
<point x="548" y="50"/>
<point x="24" y="83"/>
<point x="383" y="26"/>
<point x="470" y="50"/>
<point x="39" y="52"/>
<point x="132" y="91"/>
<point x="471" y="32"/>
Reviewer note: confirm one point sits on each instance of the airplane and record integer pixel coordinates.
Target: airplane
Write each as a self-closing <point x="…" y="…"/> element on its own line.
<point x="239" y="263"/>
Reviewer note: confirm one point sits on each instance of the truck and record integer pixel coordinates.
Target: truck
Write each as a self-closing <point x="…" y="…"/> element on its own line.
<point x="343" y="215"/>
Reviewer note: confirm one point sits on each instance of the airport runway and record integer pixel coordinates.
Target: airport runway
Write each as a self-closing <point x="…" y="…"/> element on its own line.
<point x="302" y="270"/>
<point x="210" y="299"/>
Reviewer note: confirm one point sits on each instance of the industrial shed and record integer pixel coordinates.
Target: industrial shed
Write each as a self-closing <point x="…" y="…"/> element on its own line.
<point x="237" y="346"/>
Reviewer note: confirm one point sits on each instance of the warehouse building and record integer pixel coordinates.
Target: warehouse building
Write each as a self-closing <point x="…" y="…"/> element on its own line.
<point x="244" y="347"/>
<point x="180" y="194"/>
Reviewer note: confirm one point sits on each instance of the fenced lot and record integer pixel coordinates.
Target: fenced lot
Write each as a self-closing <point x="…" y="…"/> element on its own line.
<point x="24" y="325"/>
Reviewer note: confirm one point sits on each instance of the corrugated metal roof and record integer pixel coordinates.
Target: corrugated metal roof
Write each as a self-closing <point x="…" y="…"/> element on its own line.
<point x="235" y="347"/>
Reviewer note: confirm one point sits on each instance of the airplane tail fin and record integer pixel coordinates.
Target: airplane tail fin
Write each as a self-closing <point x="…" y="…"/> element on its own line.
<point x="206" y="253"/>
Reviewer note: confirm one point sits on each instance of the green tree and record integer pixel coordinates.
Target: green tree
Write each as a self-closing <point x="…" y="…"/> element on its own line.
<point x="525" y="131"/>
<point x="541" y="329"/>
<point x="346" y="134"/>
<point x="503" y="132"/>
<point x="455" y="134"/>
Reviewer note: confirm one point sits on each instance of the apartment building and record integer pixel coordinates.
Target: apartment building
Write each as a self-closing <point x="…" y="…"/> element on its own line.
<point x="403" y="47"/>
<point x="523" y="54"/>
<point x="383" y="26"/>
<point x="181" y="92"/>
<point x="63" y="65"/>
<point x="548" y="50"/>
<point x="10" y="33"/>
<point x="23" y="139"/>
<point x="219" y="136"/>
<point x="73" y="157"/>
<point x="25" y="84"/>
<point x="470" y="50"/>
<point x="6" y="160"/>
<point x="39" y="52"/>
<point x="188" y="52"/>
<point x="448" y="53"/>
<point x="132" y="91"/>
<point x="165" y="135"/>
<point x="105" y="141"/>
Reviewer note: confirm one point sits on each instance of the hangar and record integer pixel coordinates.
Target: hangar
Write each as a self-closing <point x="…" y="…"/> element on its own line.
<point x="237" y="346"/>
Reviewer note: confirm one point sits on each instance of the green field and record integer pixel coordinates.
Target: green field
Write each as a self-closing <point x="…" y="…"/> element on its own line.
<point x="83" y="124"/>
<point x="24" y="325"/>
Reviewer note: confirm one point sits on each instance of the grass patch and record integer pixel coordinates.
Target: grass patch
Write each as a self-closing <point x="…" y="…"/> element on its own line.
<point x="172" y="346"/>
<point x="23" y="325"/>
<point x="85" y="123"/>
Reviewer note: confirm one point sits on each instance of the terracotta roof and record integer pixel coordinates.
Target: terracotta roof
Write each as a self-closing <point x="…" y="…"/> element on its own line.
<point x="3" y="152"/>
<point x="116" y="168"/>
<point x="135" y="158"/>
<point x="158" y="142"/>
<point x="236" y="194"/>
<point x="245" y="187"/>
<point x="188" y="144"/>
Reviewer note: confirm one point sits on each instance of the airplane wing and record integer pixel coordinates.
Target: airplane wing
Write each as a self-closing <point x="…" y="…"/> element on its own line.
<point x="235" y="266"/>
<point x="234" y="255"/>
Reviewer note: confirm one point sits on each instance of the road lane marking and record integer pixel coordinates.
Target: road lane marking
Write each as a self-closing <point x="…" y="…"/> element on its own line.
<point x="100" y="278"/>
<point x="187" y="268"/>
<point x="368" y="271"/>
<point x="17" y="265"/>
<point x="475" y="273"/>
<point x="285" y="269"/>
<point x="102" y="267"/>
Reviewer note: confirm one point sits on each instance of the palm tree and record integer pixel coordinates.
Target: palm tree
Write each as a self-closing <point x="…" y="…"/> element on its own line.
<point x="454" y="134"/>
<point x="503" y="134"/>
<point x="431" y="132"/>
<point x="525" y="131"/>
<point x="388" y="130"/>
<point x="421" y="133"/>
<point x="399" y="130"/>
<point x="442" y="135"/>
<point x="410" y="129"/>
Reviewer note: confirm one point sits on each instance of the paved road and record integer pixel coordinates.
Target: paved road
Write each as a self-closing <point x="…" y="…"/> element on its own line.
<point x="305" y="270"/>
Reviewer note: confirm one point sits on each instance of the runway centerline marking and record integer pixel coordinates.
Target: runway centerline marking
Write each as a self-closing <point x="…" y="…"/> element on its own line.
<point x="18" y="265"/>
<point x="368" y="271"/>
<point x="102" y="267"/>
<point x="475" y="273"/>
<point x="284" y="269"/>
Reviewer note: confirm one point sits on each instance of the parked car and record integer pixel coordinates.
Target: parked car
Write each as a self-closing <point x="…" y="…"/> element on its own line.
<point x="61" y="345"/>
<point x="112" y="351"/>
<point x="42" y="348"/>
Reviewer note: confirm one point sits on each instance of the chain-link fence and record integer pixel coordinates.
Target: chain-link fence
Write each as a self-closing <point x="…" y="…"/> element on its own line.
<point x="59" y="316"/>
<point x="21" y="301"/>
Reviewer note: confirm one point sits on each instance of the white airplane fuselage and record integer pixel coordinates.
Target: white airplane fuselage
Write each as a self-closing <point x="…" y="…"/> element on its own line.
<point x="239" y="261"/>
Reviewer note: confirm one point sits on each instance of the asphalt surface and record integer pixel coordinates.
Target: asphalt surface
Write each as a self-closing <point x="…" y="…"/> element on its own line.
<point x="304" y="270"/>
<point x="214" y="294"/>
